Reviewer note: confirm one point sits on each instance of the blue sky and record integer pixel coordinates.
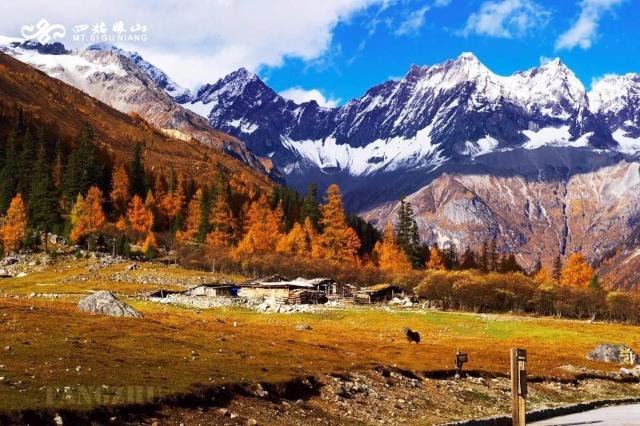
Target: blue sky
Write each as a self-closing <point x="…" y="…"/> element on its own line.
<point x="333" y="50"/>
<point x="369" y="48"/>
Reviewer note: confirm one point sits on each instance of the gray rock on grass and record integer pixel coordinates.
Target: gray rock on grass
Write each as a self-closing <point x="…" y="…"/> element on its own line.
<point x="105" y="303"/>
<point x="619" y="354"/>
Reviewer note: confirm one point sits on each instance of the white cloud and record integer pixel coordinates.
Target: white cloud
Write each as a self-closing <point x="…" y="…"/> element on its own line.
<point x="441" y="3"/>
<point x="413" y="22"/>
<point x="585" y="30"/>
<point x="300" y="95"/>
<point x="506" y="18"/>
<point x="202" y="40"/>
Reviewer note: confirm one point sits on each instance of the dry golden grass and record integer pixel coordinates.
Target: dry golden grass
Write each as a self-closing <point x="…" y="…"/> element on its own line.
<point x="50" y="338"/>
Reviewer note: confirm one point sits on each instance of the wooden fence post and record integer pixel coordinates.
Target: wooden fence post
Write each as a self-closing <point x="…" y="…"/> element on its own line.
<point x="518" y="386"/>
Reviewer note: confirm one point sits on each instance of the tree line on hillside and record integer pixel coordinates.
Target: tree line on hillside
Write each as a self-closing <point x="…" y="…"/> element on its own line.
<point x="76" y="190"/>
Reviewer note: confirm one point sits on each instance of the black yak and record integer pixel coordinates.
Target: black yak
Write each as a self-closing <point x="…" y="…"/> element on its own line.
<point x="412" y="336"/>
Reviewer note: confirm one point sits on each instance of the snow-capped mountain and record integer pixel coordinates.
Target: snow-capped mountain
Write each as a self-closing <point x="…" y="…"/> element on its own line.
<point x="128" y="83"/>
<point x="617" y="100"/>
<point x="450" y="112"/>
<point x="173" y="89"/>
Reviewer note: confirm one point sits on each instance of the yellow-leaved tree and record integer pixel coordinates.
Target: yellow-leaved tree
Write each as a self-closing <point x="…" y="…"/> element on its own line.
<point x="340" y="243"/>
<point x="262" y="228"/>
<point x="192" y="221"/>
<point x="14" y="227"/>
<point x="87" y="215"/>
<point x="576" y="272"/>
<point x="221" y="222"/>
<point x="390" y="255"/>
<point x="296" y="241"/>
<point x="120" y="189"/>
<point x="436" y="260"/>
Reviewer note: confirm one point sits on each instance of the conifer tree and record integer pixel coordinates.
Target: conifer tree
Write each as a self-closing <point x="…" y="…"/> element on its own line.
<point x="44" y="207"/>
<point x="339" y="241"/>
<point x="14" y="228"/>
<point x="557" y="268"/>
<point x="408" y="237"/>
<point x="468" y="259"/>
<point x="9" y="174"/>
<point x="311" y="206"/>
<point x="483" y="260"/>
<point x="138" y="182"/>
<point x="83" y="169"/>
<point x="296" y="241"/>
<point x="26" y="161"/>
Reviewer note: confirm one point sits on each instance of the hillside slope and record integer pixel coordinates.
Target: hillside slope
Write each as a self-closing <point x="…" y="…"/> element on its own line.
<point x="50" y="102"/>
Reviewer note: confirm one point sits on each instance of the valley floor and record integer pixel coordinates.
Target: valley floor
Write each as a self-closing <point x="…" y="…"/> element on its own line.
<point x="231" y="365"/>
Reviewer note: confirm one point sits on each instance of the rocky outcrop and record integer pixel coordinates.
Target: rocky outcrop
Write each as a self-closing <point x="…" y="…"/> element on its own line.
<point x="105" y="303"/>
<point x="619" y="354"/>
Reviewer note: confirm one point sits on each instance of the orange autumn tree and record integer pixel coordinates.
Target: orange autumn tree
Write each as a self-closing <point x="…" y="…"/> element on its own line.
<point x="339" y="241"/>
<point x="577" y="272"/>
<point x="543" y="277"/>
<point x="221" y="222"/>
<point x="436" y="260"/>
<point x="192" y="221"/>
<point x="297" y="241"/>
<point x="262" y="228"/>
<point x="172" y="201"/>
<point x="87" y="215"/>
<point x="390" y="255"/>
<point x="139" y="216"/>
<point x="120" y="188"/>
<point x="14" y="227"/>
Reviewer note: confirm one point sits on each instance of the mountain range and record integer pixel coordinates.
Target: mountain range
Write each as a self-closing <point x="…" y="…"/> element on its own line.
<point x="532" y="159"/>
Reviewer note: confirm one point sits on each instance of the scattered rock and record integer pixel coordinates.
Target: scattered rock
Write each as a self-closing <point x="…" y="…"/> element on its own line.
<point x="58" y="420"/>
<point x="619" y="354"/>
<point x="302" y="327"/>
<point x="252" y="422"/>
<point x="105" y="303"/>
<point x="132" y="267"/>
<point x="21" y="275"/>
<point x="7" y="348"/>
<point x="223" y="411"/>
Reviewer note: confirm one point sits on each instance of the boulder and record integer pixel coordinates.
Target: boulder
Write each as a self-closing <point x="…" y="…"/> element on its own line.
<point x="619" y="354"/>
<point x="105" y="303"/>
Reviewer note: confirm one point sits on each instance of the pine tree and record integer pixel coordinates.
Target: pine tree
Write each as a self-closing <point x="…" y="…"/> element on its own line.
<point x="9" y="174"/>
<point x="408" y="236"/>
<point x="450" y="255"/>
<point x="339" y="241"/>
<point x="468" y="259"/>
<point x="138" y="182"/>
<point x="44" y="207"/>
<point x="14" y="228"/>
<point x="311" y="206"/>
<point x="557" y="268"/>
<point x="493" y="258"/>
<point x="483" y="261"/>
<point x="83" y="169"/>
<point x="26" y="161"/>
